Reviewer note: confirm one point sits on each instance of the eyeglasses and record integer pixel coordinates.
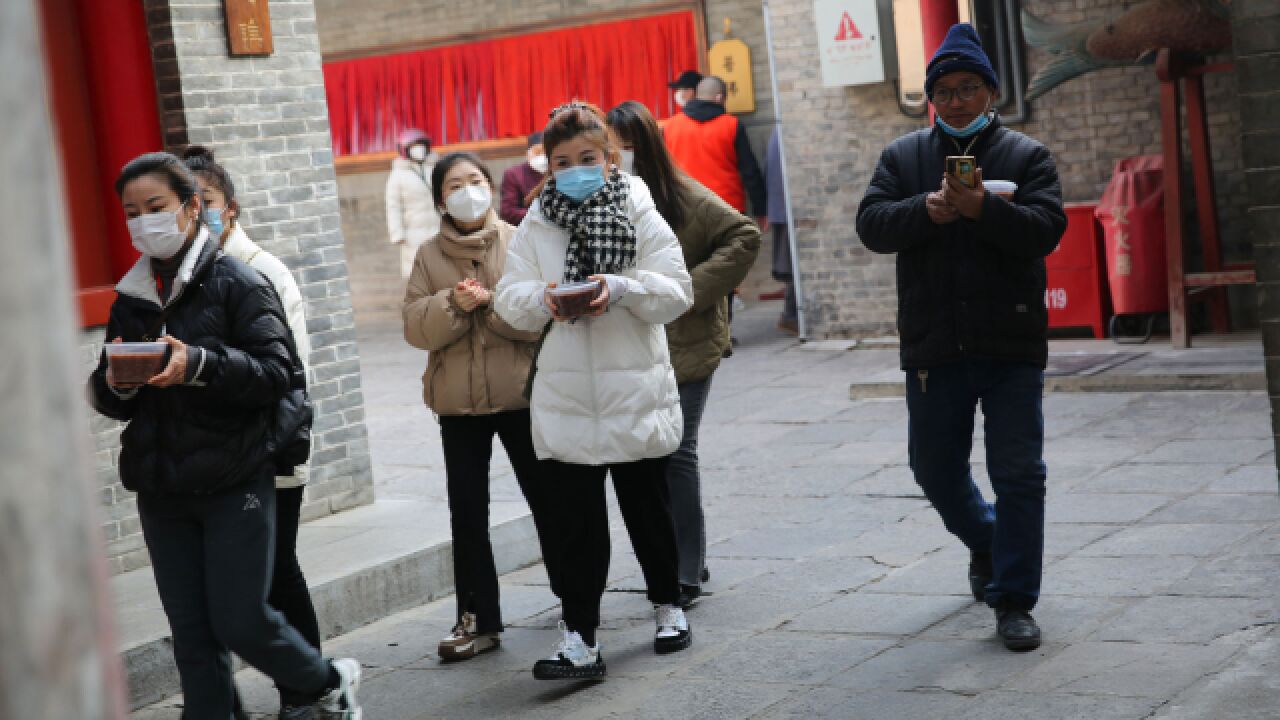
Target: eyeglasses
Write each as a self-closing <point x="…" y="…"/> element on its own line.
<point x="965" y="93"/>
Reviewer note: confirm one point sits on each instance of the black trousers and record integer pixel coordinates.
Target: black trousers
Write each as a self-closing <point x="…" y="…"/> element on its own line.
<point x="576" y="546"/>
<point x="212" y="558"/>
<point x="468" y="448"/>
<point x="289" y="593"/>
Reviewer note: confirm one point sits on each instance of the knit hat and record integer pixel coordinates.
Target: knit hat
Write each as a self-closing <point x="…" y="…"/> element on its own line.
<point x="961" y="51"/>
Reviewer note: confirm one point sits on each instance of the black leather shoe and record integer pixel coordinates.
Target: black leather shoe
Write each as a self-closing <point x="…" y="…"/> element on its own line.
<point x="689" y="595"/>
<point x="980" y="573"/>
<point x="1017" y="629"/>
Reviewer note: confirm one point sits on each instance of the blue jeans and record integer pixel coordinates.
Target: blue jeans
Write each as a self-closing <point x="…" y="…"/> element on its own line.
<point x="940" y="402"/>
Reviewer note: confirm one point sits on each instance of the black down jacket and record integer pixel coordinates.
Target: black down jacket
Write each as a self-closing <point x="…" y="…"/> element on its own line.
<point x="969" y="289"/>
<point x="211" y="433"/>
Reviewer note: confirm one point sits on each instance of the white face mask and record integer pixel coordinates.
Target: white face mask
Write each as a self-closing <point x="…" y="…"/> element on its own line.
<point x="418" y="153"/>
<point x="540" y="164"/>
<point x="628" y="161"/>
<point x="157" y="234"/>
<point x="469" y="203"/>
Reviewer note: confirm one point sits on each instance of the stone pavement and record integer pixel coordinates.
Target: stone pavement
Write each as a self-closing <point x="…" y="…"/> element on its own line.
<point x="835" y="592"/>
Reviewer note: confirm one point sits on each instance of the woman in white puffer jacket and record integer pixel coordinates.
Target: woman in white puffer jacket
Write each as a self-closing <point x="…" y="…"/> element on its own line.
<point x="604" y="393"/>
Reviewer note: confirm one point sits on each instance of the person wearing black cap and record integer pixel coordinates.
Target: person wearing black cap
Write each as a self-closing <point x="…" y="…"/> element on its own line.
<point x="685" y="86"/>
<point x="972" y="320"/>
<point x="519" y="181"/>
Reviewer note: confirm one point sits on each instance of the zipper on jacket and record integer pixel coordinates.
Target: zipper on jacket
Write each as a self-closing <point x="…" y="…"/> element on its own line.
<point x="923" y="376"/>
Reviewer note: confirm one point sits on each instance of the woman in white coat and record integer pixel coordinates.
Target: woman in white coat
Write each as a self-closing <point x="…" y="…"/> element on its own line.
<point x="604" y="398"/>
<point x="289" y="593"/>
<point x="412" y="217"/>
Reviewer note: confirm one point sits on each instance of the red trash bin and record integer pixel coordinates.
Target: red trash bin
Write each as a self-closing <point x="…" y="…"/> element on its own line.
<point x="1132" y="215"/>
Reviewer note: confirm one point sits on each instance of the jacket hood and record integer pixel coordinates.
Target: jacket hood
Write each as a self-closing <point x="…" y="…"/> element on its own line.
<point x="140" y="281"/>
<point x="703" y="110"/>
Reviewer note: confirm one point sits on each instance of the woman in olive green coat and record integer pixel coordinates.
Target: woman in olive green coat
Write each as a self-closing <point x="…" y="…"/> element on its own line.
<point x="719" y="244"/>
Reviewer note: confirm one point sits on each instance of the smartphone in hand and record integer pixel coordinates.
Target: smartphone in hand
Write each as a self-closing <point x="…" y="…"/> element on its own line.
<point x="962" y="167"/>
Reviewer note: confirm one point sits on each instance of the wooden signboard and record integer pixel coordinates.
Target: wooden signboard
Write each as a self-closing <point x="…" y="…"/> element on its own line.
<point x="248" y="27"/>
<point x="730" y="60"/>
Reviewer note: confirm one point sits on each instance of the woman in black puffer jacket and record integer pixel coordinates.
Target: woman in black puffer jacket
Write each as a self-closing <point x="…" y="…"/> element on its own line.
<point x="195" y="448"/>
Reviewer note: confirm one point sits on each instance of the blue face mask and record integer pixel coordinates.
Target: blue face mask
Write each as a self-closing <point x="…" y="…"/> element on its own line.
<point x="214" y="219"/>
<point x="978" y="125"/>
<point x="580" y="182"/>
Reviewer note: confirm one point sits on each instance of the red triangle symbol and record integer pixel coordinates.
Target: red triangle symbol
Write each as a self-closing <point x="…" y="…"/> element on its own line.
<point x="848" y="31"/>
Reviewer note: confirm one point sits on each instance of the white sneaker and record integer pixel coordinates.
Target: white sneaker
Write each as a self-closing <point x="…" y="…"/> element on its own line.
<point x="673" y="632"/>
<point x="342" y="699"/>
<point x="572" y="658"/>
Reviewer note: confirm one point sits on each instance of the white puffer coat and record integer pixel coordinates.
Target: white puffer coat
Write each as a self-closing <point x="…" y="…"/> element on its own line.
<point x="604" y="390"/>
<point x="239" y="246"/>
<point x="412" y="218"/>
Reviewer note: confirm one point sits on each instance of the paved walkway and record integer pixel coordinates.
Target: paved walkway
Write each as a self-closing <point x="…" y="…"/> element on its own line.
<point x="836" y="593"/>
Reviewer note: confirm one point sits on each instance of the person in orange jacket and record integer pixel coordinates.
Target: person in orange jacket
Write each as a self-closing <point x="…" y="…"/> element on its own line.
<point x="712" y="147"/>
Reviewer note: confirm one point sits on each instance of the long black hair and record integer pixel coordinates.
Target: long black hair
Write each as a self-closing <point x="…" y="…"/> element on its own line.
<point x="632" y="123"/>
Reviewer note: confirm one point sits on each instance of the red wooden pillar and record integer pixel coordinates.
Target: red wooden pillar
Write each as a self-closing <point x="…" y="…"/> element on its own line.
<point x="102" y="95"/>
<point x="122" y="89"/>
<point x="937" y="17"/>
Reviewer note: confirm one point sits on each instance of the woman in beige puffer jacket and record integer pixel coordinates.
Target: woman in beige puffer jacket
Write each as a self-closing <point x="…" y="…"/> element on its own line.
<point x="477" y="366"/>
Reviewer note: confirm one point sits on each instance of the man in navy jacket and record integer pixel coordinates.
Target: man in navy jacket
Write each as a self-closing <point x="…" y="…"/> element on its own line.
<point x="972" y="320"/>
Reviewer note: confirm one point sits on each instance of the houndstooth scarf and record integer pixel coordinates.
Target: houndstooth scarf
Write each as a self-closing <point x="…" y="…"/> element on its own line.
<point x="602" y="239"/>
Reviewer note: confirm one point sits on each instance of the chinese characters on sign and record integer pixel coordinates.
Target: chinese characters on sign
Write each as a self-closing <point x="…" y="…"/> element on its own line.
<point x="1124" y="256"/>
<point x="248" y="27"/>
<point x="849" y="42"/>
<point x="731" y="62"/>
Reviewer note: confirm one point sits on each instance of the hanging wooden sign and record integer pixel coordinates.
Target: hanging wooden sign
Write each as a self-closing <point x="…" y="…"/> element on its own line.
<point x="730" y="60"/>
<point x="248" y="27"/>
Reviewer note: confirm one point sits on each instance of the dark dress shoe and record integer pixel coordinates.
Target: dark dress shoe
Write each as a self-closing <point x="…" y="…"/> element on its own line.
<point x="980" y="574"/>
<point x="1017" y="629"/>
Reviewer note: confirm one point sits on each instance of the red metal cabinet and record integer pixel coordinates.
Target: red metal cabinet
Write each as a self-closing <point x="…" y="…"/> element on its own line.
<point x="1077" y="291"/>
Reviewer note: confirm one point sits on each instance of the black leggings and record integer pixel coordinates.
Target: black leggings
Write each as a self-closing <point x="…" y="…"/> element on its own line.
<point x="289" y="594"/>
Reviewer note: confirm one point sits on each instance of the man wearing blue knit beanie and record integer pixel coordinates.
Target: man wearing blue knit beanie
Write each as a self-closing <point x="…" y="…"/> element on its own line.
<point x="972" y="319"/>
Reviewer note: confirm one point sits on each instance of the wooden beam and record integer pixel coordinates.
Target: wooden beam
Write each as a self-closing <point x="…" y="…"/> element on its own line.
<point x="697" y="7"/>
<point x="1167" y="69"/>
<point x="381" y="161"/>
<point x="1223" y="277"/>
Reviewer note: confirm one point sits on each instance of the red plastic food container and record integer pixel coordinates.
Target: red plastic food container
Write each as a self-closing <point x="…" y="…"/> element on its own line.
<point x="574" y="299"/>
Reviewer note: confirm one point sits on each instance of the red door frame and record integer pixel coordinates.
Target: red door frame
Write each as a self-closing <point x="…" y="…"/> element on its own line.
<point x="102" y="95"/>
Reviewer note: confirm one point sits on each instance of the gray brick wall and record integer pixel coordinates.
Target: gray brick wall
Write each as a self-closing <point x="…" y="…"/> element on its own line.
<point x="1256" y="25"/>
<point x="268" y="122"/>
<point x="834" y="137"/>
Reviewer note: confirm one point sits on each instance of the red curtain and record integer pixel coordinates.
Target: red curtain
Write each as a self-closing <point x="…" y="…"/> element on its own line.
<point x="505" y="88"/>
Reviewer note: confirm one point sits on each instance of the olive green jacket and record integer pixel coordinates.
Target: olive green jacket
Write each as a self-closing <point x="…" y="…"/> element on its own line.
<point x="720" y="244"/>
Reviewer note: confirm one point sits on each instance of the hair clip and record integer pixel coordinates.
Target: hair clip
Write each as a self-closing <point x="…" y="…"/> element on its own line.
<point x="574" y="105"/>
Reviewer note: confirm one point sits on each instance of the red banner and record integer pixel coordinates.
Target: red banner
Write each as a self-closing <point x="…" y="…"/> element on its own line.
<point x="506" y="87"/>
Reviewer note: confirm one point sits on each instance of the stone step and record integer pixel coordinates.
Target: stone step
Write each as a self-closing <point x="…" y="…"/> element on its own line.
<point x="362" y="565"/>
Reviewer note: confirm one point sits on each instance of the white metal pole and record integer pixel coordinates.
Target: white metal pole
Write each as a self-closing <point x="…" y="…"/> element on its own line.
<point x="802" y="304"/>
